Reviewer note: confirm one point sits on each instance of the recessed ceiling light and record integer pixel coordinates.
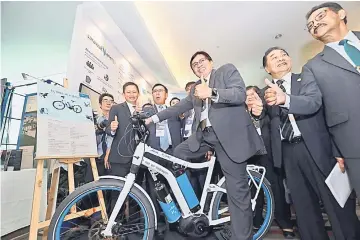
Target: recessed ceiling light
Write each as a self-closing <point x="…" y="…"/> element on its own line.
<point x="277" y="36"/>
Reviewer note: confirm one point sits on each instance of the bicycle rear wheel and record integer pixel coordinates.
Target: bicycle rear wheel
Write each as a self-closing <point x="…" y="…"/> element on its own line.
<point x="220" y="203"/>
<point x="138" y="225"/>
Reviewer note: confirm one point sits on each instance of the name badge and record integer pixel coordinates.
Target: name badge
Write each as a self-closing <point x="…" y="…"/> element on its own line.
<point x="160" y="129"/>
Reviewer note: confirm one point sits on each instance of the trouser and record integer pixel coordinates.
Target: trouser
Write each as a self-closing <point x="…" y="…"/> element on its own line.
<point x="307" y="186"/>
<point x="238" y="193"/>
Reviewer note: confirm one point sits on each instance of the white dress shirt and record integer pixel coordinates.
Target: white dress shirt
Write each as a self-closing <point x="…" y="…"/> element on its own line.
<point x="132" y="110"/>
<point x="165" y="122"/>
<point x="287" y="86"/>
<point x="131" y="107"/>
<point x="205" y="113"/>
<point x="353" y="40"/>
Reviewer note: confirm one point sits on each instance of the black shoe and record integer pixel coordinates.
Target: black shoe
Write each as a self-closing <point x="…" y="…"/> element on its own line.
<point x="288" y="234"/>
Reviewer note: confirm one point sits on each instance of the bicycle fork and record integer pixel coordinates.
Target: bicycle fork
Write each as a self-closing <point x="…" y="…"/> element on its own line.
<point x="130" y="179"/>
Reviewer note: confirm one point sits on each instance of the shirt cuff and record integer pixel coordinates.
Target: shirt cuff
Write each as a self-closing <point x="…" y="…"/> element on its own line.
<point x="287" y="102"/>
<point x="155" y="119"/>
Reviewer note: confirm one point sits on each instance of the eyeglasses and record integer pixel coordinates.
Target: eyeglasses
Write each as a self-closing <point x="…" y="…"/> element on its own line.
<point x="318" y="17"/>
<point x="158" y="90"/>
<point x="107" y="101"/>
<point x="196" y="64"/>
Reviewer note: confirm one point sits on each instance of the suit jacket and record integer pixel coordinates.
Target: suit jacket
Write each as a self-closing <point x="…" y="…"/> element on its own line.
<point x="313" y="130"/>
<point x="339" y="83"/>
<point x="123" y="134"/>
<point x="174" y="124"/>
<point x="229" y="119"/>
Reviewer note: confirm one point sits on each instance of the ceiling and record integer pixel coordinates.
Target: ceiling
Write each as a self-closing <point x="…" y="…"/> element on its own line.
<point x="235" y="32"/>
<point x="37" y="35"/>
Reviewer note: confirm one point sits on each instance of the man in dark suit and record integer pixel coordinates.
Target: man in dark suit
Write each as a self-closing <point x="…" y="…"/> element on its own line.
<point x="336" y="72"/>
<point x="220" y="121"/>
<point x="121" y="129"/>
<point x="164" y="136"/>
<point x="302" y="143"/>
<point x="274" y="175"/>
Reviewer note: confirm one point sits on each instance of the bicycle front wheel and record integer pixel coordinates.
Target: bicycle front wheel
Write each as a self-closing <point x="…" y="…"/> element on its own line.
<point x="136" y="219"/>
<point x="77" y="108"/>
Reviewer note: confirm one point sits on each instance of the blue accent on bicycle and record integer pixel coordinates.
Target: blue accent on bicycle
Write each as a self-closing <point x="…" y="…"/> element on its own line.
<point x="171" y="211"/>
<point x="187" y="190"/>
<point x="67" y="209"/>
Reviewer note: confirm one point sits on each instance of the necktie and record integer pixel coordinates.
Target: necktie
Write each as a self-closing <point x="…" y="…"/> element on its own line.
<point x="352" y="52"/>
<point x="287" y="130"/>
<point x="164" y="140"/>
<point x="203" y="109"/>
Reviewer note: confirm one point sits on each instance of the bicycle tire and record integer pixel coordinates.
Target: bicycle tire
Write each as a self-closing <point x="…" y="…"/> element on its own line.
<point x="77" y="107"/>
<point x="265" y="227"/>
<point x="60" y="107"/>
<point x="95" y="186"/>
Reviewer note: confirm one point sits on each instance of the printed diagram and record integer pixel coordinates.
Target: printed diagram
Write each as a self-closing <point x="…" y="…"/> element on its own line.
<point x="44" y="95"/>
<point x="90" y="118"/>
<point x="106" y="77"/>
<point x="60" y="105"/>
<point x="44" y="111"/>
<point x="104" y="90"/>
<point x="87" y="104"/>
<point x="90" y="65"/>
<point x="88" y="79"/>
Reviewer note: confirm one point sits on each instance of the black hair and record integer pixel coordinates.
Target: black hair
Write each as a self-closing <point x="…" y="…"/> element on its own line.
<point x="255" y="88"/>
<point x="335" y="7"/>
<point x="130" y="84"/>
<point x="159" y="84"/>
<point x="175" y="98"/>
<point x="264" y="60"/>
<point x="101" y="97"/>
<point x="206" y="55"/>
<point x="189" y="84"/>
<point x="147" y="105"/>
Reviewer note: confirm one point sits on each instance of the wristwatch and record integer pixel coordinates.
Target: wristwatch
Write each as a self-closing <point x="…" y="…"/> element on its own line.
<point x="214" y="92"/>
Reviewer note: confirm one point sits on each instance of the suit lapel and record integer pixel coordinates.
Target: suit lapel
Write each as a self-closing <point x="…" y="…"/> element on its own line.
<point x="124" y="105"/>
<point x="212" y="79"/>
<point x="295" y="84"/>
<point x="333" y="57"/>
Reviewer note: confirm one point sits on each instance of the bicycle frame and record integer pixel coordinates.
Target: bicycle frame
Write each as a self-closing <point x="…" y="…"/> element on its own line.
<point x="139" y="159"/>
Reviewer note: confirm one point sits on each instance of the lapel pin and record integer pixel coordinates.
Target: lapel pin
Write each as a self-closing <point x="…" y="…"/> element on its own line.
<point x="299" y="79"/>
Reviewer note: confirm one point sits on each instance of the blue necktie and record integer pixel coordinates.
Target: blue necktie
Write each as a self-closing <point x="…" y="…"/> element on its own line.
<point x="352" y="52"/>
<point x="164" y="140"/>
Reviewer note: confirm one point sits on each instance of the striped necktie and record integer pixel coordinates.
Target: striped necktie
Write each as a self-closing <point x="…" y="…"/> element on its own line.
<point x="287" y="130"/>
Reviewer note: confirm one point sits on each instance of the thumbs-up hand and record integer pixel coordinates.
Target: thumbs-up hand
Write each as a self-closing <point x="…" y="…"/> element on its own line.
<point x="274" y="95"/>
<point x="256" y="105"/>
<point x="114" y="124"/>
<point x="202" y="91"/>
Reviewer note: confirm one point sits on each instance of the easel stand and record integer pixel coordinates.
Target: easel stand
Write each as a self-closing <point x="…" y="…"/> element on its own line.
<point x="35" y="225"/>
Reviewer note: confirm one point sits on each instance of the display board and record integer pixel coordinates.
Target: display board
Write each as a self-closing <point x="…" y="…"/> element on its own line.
<point x="65" y="123"/>
<point x="97" y="63"/>
<point x="93" y="95"/>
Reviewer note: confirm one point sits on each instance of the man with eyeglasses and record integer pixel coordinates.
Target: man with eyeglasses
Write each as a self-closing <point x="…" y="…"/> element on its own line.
<point x="336" y="71"/>
<point x="221" y="121"/>
<point x="301" y="144"/>
<point x="103" y="140"/>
